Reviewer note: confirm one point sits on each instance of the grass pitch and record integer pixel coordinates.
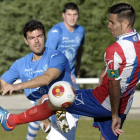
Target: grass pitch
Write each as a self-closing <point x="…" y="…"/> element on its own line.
<point x="84" y="131"/>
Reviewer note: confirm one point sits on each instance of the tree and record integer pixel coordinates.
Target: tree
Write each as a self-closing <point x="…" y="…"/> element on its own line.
<point x="93" y="17"/>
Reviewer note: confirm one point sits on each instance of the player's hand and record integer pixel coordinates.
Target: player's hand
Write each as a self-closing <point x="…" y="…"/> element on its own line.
<point x="9" y="88"/>
<point x="73" y="79"/>
<point x="102" y="75"/>
<point x="116" y="123"/>
<point x="100" y="79"/>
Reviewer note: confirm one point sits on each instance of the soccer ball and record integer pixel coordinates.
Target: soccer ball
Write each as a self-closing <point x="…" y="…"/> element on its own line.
<point x="62" y="94"/>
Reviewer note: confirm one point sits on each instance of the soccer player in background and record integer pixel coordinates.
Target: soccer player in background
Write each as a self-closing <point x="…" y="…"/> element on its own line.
<point x="110" y="102"/>
<point x="39" y="69"/>
<point x="67" y="37"/>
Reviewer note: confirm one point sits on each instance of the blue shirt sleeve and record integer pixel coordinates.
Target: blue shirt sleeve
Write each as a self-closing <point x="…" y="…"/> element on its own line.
<point x="58" y="60"/>
<point x="53" y="38"/>
<point x="12" y="74"/>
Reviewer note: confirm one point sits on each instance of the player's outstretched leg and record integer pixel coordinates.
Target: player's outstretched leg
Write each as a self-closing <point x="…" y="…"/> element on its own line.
<point x="62" y="121"/>
<point x="36" y="113"/>
<point x="4" y="114"/>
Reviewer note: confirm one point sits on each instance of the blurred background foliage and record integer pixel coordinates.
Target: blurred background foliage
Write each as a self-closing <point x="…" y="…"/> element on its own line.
<point x="93" y="17"/>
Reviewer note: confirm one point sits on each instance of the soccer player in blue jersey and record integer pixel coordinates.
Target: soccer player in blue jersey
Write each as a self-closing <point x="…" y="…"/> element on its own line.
<point x="39" y="69"/>
<point x="67" y="37"/>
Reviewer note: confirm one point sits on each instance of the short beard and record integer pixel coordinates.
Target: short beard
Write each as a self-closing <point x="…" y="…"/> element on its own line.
<point x="40" y="54"/>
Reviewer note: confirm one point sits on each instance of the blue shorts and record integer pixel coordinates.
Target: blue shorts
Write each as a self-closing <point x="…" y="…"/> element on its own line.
<point x="86" y="104"/>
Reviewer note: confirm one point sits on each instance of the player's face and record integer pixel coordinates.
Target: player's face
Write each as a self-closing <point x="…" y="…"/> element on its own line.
<point x="70" y="17"/>
<point x="36" y="41"/>
<point x="115" y="26"/>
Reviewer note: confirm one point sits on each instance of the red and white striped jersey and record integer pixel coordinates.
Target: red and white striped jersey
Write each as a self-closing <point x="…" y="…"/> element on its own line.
<point x="123" y="55"/>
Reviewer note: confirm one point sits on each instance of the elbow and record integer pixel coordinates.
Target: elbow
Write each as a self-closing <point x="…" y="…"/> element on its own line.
<point x="47" y="83"/>
<point x="46" y="80"/>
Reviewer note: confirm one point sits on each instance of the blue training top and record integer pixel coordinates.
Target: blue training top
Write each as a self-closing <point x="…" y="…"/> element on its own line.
<point x="60" y="38"/>
<point x="25" y="69"/>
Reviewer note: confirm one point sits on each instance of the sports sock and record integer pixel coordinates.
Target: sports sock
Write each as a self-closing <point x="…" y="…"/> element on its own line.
<point x="33" y="129"/>
<point x="10" y="120"/>
<point x="36" y="113"/>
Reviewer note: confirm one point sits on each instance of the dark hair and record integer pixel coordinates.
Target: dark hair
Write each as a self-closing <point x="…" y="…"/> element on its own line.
<point x="71" y="6"/>
<point x="123" y="11"/>
<point x="32" y="25"/>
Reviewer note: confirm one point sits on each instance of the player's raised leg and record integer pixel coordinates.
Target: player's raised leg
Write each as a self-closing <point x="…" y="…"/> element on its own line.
<point x="4" y="115"/>
<point x="40" y="112"/>
<point x="66" y="95"/>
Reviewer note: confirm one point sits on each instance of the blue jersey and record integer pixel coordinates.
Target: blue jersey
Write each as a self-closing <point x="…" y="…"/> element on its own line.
<point x="25" y="69"/>
<point x="60" y="38"/>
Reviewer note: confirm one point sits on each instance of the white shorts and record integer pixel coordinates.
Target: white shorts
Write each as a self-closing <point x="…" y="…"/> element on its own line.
<point x="57" y="134"/>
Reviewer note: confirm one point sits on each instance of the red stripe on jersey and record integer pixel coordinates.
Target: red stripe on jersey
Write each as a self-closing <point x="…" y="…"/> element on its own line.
<point x="123" y="103"/>
<point x="101" y="92"/>
<point x="110" y="51"/>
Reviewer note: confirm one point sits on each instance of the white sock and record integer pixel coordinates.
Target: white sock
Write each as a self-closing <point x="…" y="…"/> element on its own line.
<point x="33" y="129"/>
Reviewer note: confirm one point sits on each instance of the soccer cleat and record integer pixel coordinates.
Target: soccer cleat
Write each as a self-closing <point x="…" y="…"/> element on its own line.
<point x="4" y="114"/>
<point x="62" y="121"/>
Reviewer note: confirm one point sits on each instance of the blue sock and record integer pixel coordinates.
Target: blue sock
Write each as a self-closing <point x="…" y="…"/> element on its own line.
<point x="33" y="129"/>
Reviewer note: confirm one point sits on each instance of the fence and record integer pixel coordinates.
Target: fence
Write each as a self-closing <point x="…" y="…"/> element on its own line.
<point x="78" y="81"/>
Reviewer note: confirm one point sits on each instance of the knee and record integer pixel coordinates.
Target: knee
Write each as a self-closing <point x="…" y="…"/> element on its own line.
<point x="44" y="97"/>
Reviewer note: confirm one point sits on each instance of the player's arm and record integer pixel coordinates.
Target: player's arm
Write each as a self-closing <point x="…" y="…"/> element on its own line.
<point x="45" y="79"/>
<point x="79" y="53"/>
<point x="10" y="76"/>
<point x="114" y="92"/>
<point x="73" y="79"/>
<point x="113" y="62"/>
<point x="2" y="83"/>
<point x="78" y="59"/>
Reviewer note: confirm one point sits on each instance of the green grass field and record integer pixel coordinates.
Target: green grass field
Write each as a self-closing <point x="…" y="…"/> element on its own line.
<point x="84" y="131"/>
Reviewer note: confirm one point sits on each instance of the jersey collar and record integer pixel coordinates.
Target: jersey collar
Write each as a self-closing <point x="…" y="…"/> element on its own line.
<point x="132" y="36"/>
